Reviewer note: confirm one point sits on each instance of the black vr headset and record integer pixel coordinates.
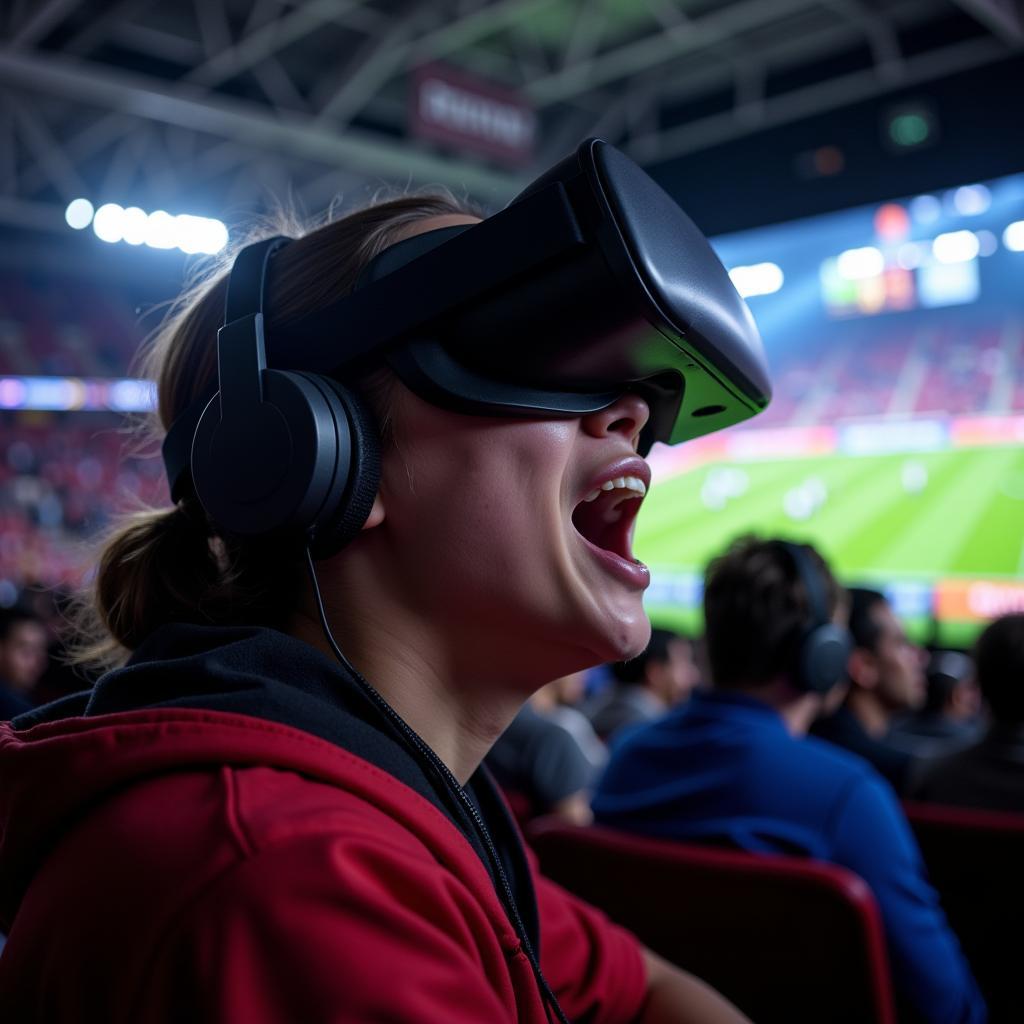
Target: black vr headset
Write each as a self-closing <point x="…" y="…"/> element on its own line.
<point x="591" y="283"/>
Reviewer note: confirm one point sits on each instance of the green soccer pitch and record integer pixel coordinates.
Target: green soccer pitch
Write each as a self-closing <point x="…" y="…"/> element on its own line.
<point x="879" y="519"/>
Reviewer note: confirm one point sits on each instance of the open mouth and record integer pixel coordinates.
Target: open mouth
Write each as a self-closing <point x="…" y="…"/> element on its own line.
<point x="606" y="516"/>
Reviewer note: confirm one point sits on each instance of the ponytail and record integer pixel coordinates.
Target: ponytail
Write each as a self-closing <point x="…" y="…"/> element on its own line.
<point x="165" y="565"/>
<point x="151" y="571"/>
<point x="171" y="565"/>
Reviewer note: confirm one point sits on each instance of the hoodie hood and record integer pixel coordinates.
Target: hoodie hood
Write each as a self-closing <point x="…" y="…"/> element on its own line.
<point x="194" y="696"/>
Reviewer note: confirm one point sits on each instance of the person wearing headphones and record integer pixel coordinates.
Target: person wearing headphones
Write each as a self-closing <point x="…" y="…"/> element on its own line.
<point x="734" y="764"/>
<point x="274" y="810"/>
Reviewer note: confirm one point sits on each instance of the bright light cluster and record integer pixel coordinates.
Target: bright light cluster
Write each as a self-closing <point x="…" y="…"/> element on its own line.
<point x="955" y="246"/>
<point x="63" y="394"/>
<point x="758" y="279"/>
<point x="857" y="264"/>
<point x="1013" y="236"/>
<point x="158" y="230"/>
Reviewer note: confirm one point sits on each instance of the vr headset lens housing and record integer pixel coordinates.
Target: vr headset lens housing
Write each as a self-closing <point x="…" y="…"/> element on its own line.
<point x="591" y="283"/>
<point x="640" y="303"/>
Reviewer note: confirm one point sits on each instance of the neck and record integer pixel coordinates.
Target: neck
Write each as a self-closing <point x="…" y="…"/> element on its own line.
<point x="797" y="710"/>
<point x="869" y="712"/>
<point x="456" y="698"/>
<point x="459" y="730"/>
<point x="544" y="700"/>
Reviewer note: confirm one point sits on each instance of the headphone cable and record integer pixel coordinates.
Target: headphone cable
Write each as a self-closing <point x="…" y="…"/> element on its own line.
<point x="449" y="787"/>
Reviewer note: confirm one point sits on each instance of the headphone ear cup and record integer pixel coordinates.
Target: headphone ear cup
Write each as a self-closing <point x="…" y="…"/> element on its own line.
<point x="824" y="652"/>
<point x="273" y="469"/>
<point x="349" y="504"/>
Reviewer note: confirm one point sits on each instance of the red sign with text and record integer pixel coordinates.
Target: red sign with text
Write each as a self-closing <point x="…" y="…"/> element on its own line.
<point x="470" y="114"/>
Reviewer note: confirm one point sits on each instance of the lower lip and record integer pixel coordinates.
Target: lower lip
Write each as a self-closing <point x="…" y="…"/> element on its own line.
<point x="633" y="574"/>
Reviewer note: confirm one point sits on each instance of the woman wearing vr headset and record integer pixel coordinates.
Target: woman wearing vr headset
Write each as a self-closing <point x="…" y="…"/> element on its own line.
<point x="233" y="826"/>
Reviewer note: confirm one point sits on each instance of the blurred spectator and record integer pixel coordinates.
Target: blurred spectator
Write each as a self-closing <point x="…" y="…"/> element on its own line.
<point x="646" y="686"/>
<point x="559" y="701"/>
<point x="887" y="677"/>
<point x="951" y="716"/>
<point x="62" y="477"/>
<point x="991" y="773"/>
<point x="734" y="765"/>
<point x="22" y="659"/>
<point x="541" y="768"/>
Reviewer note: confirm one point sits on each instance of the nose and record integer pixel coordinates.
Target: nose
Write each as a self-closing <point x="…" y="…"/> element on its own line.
<point x="627" y="416"/>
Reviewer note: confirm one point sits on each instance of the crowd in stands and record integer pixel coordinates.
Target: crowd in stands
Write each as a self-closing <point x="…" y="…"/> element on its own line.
<point x="724" y="741"/>
<point x="759" y="759"/>
<point x="60" y="484"/>
<point x="63" y="475"/>
<point x="745" y="750"/>
<point x="66" y="328"/>
<point x="865" y="370"/>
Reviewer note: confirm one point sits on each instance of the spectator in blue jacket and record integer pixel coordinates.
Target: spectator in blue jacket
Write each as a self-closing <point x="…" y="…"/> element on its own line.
<point x="735" y="764"/>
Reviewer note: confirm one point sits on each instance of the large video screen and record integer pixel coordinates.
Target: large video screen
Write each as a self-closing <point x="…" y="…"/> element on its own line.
<point x="895" y="438"/>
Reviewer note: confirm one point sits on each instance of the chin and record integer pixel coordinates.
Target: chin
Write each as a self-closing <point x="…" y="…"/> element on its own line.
<point x="626" y="639"/>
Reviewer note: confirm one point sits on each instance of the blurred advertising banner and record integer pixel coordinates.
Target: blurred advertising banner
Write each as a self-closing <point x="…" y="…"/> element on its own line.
<point x="977" y="600"/>
<point x="471" y="114"/>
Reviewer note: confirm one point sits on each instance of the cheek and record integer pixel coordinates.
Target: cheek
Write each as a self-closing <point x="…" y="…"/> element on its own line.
<point x="484" y="500"/>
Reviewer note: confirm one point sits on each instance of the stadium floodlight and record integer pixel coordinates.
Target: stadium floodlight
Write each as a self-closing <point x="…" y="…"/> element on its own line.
<point x="79" y="214"/>
<point x="161" y="230"/>
<point x="956" y="247"/>
<point x="200" y="234"/>
<point x="757" y="279"/>
<point x="216" y="236"/>
<point x="108" y="224"/>
<point x="858" y="264"/>
<point x="1013" y="236"/>
<point x="134" y="225"/>
<point x="189" y="232"/>
<point x="971" y="200"/>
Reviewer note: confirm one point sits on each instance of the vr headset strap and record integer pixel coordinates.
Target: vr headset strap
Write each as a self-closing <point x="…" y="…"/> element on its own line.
<point x="520" y="239"/>
<point x="513" y="243"/>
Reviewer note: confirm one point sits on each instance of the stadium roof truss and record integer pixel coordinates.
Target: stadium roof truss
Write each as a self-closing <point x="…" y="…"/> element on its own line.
<point x="229" y="100"/>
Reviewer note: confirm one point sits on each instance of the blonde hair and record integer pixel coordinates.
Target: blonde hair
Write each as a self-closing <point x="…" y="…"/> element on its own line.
<point x="162" y="565"/>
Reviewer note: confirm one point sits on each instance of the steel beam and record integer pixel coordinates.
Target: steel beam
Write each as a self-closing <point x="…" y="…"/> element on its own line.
<point x="658" y="48"/>
<point x="47" y="152"/>
<point x="191" y="107"/>
<point x="268" y="40"/>
<point x="370" y="67"/>
<point x="1003" y="18"/>
<point x="46" y="18"/>
<point x="24" y="213"/>
<point x="815" y="99"/>
<point x="822" y="43"/>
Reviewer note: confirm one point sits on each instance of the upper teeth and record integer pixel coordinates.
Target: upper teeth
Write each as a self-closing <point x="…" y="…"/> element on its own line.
<point x="627" y="483"/>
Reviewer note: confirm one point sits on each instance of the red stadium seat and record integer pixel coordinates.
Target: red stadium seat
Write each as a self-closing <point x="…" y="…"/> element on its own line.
<point x="790" y="941"/>
<point x="975" y="858"/>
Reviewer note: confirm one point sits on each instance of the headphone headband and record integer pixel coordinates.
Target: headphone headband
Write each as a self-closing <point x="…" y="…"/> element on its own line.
<point x="247" y="282"/>
<point x="813" y="583"/>
<point x="246" y="294"/>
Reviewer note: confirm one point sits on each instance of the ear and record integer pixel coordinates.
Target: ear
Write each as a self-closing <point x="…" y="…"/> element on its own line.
<point x="862" y="668"/>
<point x="376" y="516"/>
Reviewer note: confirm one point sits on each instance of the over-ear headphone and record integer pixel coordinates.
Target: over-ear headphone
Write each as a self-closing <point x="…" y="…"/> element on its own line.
<point x="280" y="451"/>
<point x="822" y="648"/>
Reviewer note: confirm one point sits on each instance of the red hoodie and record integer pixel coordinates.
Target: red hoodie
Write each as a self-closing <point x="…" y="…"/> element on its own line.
<point x="180" y="864"/>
